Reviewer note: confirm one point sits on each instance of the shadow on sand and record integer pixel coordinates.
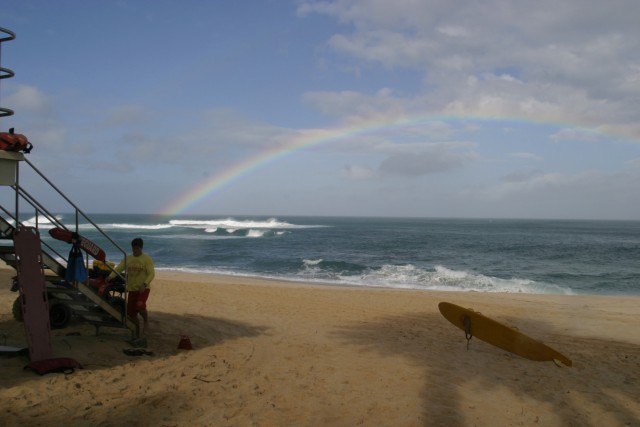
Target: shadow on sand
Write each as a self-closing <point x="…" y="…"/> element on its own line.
<point x="106" y="349"/>
<point x="451" y="369"/>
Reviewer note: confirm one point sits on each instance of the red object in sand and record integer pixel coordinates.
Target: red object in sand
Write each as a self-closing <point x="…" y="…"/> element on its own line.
<point x="185" y="343"/>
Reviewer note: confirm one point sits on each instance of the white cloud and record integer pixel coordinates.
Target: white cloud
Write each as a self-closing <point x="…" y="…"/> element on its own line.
<point x="560" y="195"/>
<point x="351" y="105"/>
<point x="435" y="159"/>
<point x="527" y="156"/>
<point x="29" y="99"/>
<point x="522" y="177"/>
<point x="634" y="164"/>
<point x="576" y="62"/>
<point x="126" y="115"/>
<point x="575" y="134"/>
<point x="358" y="172"/>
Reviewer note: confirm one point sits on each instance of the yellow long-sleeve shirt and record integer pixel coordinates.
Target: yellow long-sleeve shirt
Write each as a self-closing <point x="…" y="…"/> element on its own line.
<point x="140" y="270"/>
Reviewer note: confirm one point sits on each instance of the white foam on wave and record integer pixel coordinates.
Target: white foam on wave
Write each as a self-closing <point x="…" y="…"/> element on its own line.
<point x="402" y="277"/>
<point x="232" y="223"/>
<point x="255" y="233"/>
<point x="41" y="221"/>
<point x="188" y="237"/>
<point x="444" y="279"/>
<point x="221" y="232"/>
<point x="311" y="268"/>
<point x="125" y="226"/>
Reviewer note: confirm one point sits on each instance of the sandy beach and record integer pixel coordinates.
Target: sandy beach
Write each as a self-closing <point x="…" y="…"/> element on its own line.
<point x="269" y="353"/>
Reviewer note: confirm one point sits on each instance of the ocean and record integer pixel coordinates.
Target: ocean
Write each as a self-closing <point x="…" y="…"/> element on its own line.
<point x="482" y="255"/>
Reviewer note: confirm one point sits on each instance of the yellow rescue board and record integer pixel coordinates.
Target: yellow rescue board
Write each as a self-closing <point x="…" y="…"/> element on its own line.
<point x="502" y="336"/>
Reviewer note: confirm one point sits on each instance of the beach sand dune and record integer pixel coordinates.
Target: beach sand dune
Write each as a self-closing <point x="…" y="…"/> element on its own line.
<point x="269" y="353"/>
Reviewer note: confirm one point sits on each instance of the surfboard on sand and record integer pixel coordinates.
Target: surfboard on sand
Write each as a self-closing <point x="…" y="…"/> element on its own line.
<point x="502" y="336"/>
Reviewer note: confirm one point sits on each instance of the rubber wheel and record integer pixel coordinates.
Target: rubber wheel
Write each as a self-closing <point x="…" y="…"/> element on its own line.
<point x="59" y="315"/>
<point x="17" y="309"/>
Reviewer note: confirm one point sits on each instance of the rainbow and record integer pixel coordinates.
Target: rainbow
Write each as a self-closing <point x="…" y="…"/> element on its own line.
<point x="316" y="137"/>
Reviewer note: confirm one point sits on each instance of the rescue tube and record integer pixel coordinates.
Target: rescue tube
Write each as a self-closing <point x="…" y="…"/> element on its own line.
<point x="84" y="243"/>
<point x="10" y="141"/>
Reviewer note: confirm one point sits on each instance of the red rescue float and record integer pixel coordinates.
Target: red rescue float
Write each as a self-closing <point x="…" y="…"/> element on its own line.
<point x="11" y="141"/>
<point x="84" y="243"/>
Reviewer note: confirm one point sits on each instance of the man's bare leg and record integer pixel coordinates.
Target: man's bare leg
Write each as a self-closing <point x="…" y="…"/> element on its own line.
<point x="145" y="319"/>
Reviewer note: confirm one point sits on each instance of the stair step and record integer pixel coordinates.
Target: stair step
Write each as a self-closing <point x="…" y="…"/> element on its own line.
<point x="83" y="300"/>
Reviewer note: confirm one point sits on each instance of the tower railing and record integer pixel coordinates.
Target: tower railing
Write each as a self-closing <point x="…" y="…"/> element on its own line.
<point x="5" y="73"/>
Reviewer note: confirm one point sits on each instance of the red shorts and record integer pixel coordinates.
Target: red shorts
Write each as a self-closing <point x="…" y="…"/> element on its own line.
<point x="137" y="302"/>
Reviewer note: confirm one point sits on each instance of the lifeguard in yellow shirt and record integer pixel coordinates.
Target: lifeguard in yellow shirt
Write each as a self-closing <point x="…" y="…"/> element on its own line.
<point x="140" y="273"/>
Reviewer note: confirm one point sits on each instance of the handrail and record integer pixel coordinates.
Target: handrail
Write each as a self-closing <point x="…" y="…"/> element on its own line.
<point x="49" y="247"/>
<point x="11" y="35"/>
<point x="6" y="73"/>
<point x="78" y="213"/>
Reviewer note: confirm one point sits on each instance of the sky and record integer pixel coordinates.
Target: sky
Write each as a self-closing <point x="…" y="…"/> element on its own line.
<point x="409" y="108"/>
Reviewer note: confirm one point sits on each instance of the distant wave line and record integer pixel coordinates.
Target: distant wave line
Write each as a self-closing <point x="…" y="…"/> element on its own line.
<point x="228" y="223"/>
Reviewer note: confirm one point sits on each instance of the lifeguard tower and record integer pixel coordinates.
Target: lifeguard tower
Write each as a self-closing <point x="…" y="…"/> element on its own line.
<point x="45" y="300"/>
